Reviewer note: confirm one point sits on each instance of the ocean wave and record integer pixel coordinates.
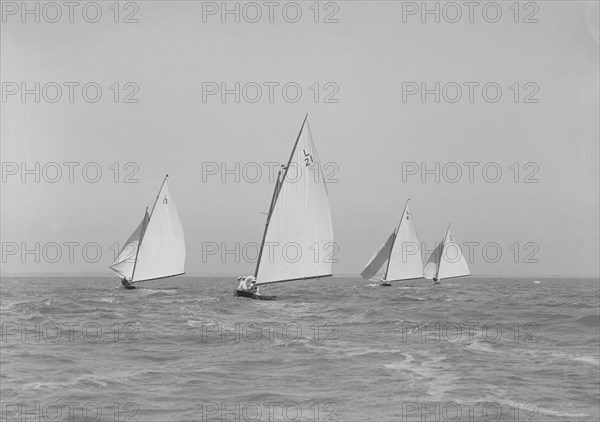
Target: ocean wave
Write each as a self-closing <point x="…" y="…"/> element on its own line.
<point x="590" y="320"/>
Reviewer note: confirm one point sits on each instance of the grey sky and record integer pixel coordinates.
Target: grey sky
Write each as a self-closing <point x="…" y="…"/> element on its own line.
<point x="368" y="134"/>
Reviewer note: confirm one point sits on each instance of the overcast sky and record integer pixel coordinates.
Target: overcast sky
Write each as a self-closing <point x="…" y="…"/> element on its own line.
<point x="366" y="124"/>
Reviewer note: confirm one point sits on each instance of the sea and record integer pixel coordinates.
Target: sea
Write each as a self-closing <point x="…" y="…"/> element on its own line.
<point x="337" y="349"/>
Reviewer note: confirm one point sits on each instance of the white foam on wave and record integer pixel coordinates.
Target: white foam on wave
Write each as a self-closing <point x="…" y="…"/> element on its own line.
<point x="108" y="299"/>
<point x="562" y="414"/>
<point x="481" y="346"/>
<point x="433" y="374"/>
<point x="360" y="351"/>
<point x="588" y="359"/>
<point x="401" y="365"/>
<point x="593" y="360"/>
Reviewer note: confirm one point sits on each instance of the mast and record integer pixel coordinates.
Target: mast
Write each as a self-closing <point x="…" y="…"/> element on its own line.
<point x="442" y="252"/>
<point x="157" y="195"/>
<point x="262" y="243"/>
<point x="396" y="232"/>
<point x="144" y="227"/>
<point x="276" y="195"/>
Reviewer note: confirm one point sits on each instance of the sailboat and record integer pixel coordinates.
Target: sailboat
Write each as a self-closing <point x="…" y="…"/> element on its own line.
<point x="446" y="261"/>
<point x="156" y="248"/>
<point x="298" y="226"/>
<point x="402" y="253"/>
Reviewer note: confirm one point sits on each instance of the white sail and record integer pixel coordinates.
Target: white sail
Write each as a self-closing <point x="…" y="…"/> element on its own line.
<point x="378" y="259"/>
<point x="298" y="241"/>
<point x="433" y="263"/>
<point x="452" y="262"/>
<point x="162" y="249"/>
<point x="405" y="258"/>
<point x="123" y="265"/>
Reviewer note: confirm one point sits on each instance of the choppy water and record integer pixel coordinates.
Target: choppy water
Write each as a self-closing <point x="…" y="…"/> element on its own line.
<point x="337" y="349"/>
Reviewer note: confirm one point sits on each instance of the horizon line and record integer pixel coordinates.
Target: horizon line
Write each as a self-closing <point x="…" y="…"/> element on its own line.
<point x="227" y="275"/>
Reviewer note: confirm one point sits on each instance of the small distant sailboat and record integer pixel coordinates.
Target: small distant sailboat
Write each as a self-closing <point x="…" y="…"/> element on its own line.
<point x="299" y="216"/>
<point x="156" y="249"/>
<point x="402" y="253"/>
<point x="446" y="261"/>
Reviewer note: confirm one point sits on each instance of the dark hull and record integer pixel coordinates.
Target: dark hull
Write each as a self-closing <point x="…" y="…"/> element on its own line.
<point x="127" y="285"/>
<point x="241" y="293"/>
<point x="385" y="285"/>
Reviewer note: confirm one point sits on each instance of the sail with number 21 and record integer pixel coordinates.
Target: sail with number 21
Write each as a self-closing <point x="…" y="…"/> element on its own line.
<point x="299" y="219"/>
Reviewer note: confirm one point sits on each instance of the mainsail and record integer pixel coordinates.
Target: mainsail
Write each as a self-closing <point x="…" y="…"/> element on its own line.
<point x="447" y="260"/>
<point x="158" y="242"/>
<point x="299" y="231"/>
<point x="405" y="256"/>
<point x="401" y="251"/>
<point x="453" y="262"/>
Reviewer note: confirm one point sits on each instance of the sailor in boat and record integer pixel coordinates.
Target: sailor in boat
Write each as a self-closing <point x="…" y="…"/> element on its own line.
<point x="249" y="288"/>
<point x="435" y="280"/>
<point x="242" y="286"/>
<point x="252" y="287"/>
<point x="127" y="284"/>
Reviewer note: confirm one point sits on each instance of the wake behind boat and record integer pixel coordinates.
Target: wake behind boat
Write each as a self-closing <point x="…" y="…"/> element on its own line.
<point x="402" y="253"/>
<point x="299" y="215"/>
<point x="156" y="249"/>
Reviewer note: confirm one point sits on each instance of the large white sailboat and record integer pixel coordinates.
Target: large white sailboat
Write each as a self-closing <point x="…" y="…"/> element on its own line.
<point x="402" y="253"/>
<point x="156" y="249"/>
<point x="446" y="261"/>
<point x="299" y="219"/>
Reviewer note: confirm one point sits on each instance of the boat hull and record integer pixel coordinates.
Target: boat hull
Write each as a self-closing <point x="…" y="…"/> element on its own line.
<point x="242" y="293"/>
<point x="127" y="285"/>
